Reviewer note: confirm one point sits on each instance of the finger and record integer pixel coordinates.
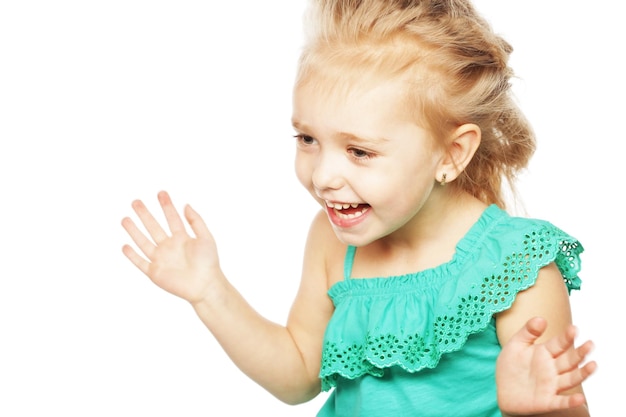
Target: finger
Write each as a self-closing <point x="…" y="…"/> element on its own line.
<point x="573" y="358"/>
<point x="532" y="330"/>
<point x="172" y="217"/>
<point x="150" y="223"/>
<point x="578" y="374"/>
<point x="575" y="377"/>
<point x="198" y="226"/>
<point x="585" y="349"/>
<point x="569" y="401"/>
<point x="142" y="242"/>
<point x="588" y="370"/>
<point x="561" y="343"/>
<point x="137" y="260"/>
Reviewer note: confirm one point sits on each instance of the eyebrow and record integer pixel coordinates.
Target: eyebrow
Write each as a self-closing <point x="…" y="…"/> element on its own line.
<point x="344" y="135"/>
<point x="297" y="125"/>
<point x="363" y="140"/>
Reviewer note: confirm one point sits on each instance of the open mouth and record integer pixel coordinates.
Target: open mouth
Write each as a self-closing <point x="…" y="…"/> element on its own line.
<point x="348" y="210"/>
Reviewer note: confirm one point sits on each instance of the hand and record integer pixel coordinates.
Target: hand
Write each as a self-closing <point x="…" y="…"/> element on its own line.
<point x="532" y="377"/>
<point x="180" y="264"/>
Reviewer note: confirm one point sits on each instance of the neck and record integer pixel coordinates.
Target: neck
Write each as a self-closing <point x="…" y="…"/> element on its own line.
<point x="430" y="237"/>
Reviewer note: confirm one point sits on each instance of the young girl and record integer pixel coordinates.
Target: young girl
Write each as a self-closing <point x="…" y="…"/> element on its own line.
<point x="420" y="295"/>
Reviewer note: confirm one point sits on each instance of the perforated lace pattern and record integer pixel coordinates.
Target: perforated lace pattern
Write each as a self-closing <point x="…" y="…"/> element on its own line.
<point x="471" y="314"/>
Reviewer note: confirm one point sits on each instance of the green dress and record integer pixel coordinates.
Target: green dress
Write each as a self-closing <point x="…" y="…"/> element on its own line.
<point x="425" y="344"/>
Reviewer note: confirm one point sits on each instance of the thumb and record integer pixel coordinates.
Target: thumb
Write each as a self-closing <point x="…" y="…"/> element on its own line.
<point x="198" y="226"/>
<point x="531" y="331"/>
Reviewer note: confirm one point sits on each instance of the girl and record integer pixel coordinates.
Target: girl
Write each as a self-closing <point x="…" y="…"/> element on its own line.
<point x="419" y="294"/>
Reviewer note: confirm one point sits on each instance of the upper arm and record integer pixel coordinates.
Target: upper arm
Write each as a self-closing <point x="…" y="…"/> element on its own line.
<point x="548" y="298"/>
<point x="312" y="308"/>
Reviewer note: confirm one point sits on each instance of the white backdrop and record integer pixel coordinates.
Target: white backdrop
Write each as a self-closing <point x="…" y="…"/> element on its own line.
<point x="104" y="102"/>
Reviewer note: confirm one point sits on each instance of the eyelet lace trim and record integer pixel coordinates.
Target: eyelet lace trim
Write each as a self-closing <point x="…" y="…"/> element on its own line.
<point x="423" y="347"/>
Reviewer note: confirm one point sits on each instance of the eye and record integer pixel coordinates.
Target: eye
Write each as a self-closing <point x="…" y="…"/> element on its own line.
<point x="304" y="139"/>
<point x="360" y="154"/>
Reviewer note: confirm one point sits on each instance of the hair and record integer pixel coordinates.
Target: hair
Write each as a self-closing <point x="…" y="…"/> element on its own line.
<point x="454" y="66"/>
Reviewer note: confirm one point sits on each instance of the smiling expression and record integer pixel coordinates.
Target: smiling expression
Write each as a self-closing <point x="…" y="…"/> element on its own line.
<point x="364" y="159"/>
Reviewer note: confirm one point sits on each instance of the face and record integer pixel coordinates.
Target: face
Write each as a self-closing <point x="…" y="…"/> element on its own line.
<point x="364" y="160"/>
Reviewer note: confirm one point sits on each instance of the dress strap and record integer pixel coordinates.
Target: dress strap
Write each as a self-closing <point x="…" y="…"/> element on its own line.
<point x="348" y="261"/>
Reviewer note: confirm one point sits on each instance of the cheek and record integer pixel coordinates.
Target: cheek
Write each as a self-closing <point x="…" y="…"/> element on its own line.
<point x="303" y="170"/>
<point x="401" y="186"/>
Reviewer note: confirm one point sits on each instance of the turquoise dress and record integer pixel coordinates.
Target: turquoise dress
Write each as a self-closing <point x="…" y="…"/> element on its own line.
<point x="425" y="344"/>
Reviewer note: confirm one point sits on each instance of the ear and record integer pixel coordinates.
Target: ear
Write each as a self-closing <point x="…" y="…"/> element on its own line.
<point x="460" y="149"/>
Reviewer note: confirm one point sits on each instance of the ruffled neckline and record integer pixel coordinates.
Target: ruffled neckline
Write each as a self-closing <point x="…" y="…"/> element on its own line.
<point x="498" y="257"/>
<point x="463" y="250"/>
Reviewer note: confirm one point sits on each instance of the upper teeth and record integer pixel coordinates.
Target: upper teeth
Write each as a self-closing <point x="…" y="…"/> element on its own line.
<point x="340" y="206"/>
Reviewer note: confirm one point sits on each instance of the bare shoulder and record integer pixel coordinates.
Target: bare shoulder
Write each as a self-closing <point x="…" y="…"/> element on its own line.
<point x="547" y="298"/>
<point x="325" y="250"/>
<point x="321" y="243"/>
<point x="312" y="308"/>
<point x="322" y="254"/>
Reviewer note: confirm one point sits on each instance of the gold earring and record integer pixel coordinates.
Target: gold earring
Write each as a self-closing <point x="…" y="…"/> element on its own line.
<point x="443" y="179"/>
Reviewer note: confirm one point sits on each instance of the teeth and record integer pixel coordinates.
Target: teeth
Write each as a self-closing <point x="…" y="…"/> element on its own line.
<point x="351" y="216"/>
<point x="338" y="207"/>
<point x="341" y="206"/>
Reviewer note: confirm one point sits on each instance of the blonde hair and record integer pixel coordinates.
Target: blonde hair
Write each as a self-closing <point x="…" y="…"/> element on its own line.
<point x="454" y="66"/>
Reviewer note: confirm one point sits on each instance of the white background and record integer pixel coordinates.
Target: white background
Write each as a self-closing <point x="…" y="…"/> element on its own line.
<point x="102" y="102"/>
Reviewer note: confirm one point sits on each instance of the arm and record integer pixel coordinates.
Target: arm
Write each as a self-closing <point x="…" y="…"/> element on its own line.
<point x="282" y="359"/>
<point x="540" y="371"/>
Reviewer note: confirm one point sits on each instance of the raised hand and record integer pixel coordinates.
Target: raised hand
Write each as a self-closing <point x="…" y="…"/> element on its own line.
<point x="186" y="266"/>
<point x="533" y="377"/>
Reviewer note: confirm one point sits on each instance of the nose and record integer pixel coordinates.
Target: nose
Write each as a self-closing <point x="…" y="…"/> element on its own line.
<point x="328" y="173"/>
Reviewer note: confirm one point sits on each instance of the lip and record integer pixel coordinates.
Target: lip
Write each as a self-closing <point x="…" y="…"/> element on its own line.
<point x="346" y="222"/>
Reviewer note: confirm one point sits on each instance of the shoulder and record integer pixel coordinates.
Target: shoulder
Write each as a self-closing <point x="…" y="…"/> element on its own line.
<point x="547" y="298"/>
<point x="543" y="255"/>
<point x="324" y="251"/>
<point x="522" y="246"/>
<point x="511" y="267"/>
<point x="312" y="308"/>
<point x="505" y="224"/>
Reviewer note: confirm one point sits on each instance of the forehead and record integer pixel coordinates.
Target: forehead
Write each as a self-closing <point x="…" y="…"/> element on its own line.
<point x="368" y="105"/>
<point x="368" y="114"/>
<point x="340" y="71"/>
<point x="318" y="97"/>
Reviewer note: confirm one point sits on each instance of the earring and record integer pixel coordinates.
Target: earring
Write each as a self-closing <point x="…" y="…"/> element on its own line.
<point x="443" y="179"/>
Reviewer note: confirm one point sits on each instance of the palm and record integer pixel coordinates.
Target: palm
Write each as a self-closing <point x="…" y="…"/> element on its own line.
<point x="179" y="263"/>
<point x="532" y="377"/>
